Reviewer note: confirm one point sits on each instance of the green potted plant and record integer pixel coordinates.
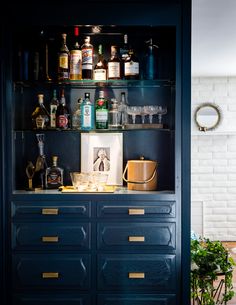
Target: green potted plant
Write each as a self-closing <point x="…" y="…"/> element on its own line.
<point x="211" y="272"/>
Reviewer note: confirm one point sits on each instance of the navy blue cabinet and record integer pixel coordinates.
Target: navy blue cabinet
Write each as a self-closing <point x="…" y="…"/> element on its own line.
<point x="121" y="248"/>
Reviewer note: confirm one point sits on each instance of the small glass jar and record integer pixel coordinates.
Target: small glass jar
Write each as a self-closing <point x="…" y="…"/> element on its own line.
<point x="114" y="115"/>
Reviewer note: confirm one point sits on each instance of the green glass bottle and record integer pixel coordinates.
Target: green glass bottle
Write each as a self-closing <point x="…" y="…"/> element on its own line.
<point x="101" y="112"/>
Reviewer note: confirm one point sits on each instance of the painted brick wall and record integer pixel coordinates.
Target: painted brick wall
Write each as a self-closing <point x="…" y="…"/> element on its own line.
<point x="213" y="190"/>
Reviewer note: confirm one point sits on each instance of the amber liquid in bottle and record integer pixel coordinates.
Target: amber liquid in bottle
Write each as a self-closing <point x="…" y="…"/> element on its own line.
<point x="76" y="58"/>
<point x="114" y="64"/>
<point x="63" y="60"/>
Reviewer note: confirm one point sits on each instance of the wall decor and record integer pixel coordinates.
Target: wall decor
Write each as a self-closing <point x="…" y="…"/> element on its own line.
<point x="207" y="116"/>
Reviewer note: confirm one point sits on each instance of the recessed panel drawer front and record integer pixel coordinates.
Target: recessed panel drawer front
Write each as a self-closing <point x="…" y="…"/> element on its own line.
<point x="137" y="271"/>
<point x="135" y="235"/>
<point x="50" y="235"/>
<point x="51" y="271"/>
<point x="50" y="210"/>
<point x="57" y="299"/>
<point x="143" y="299"/>
<point x="136" y="209"/>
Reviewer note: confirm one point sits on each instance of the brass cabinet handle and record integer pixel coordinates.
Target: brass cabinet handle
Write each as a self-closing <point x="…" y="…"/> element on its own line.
<point x="50" y="239"/>
<point x="136" y="238"/>
<point x="136" y="211"/>
<point x="50" y="275"/>
<point x="50" y="211"/>
<point x="136" y="275"/>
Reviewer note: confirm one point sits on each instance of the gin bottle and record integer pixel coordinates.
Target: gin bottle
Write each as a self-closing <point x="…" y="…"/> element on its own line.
<point x="101" y="112"/>
<point x="87" y="113"/>
<point x="54" y="175"/>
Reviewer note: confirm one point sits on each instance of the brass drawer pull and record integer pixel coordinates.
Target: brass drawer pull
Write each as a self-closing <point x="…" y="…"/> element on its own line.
<point x="50" y="239"/>
<point x="137" y="238"/>
<point x="136" y="211"/>
<point x="50" y="275"/>
<point x="50" y="211"/>
<point x="136" y="275"/>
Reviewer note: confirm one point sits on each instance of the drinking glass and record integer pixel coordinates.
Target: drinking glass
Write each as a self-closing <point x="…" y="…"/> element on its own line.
<point x="133" y="111"/>
<point x="161" y="111"/>
<point x="151" y="110"/>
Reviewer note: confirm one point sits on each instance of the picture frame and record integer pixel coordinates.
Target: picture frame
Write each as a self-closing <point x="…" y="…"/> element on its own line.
<point x="103" y="152"/>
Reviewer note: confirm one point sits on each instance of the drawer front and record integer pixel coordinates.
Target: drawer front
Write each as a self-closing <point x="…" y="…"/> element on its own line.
<point x="137" y="271"/>
<point x="50" y="210"/>
<point x="136" y="209"/>
<point x="50" y="235"/>
<point x="161" y="235"/>
<point x="51" y="271"/>
<point x="143" y="299"/>
<point x="51" y="300"/>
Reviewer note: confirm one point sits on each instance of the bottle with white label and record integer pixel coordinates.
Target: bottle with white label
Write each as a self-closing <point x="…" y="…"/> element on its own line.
<point x="76" y="58"/>
<point x="63" y="60"/>
<point x="87" y="113"/>
<point x="131" y="66"/>
<point x="100" y="69"/>
<point x="87" y="59"/>
<point x="114" y="64"/>
<point x="53" y="109"/>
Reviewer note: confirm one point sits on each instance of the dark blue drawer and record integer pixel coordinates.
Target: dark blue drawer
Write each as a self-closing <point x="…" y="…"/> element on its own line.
<point x="53" y="210"/>
<point x="137" y="271"/>
<point x="51" y="271"/>
<point x="57" y="299"/>
<point x="136" y="209"/>
<point x="136" y="299"/>
<point x="123" y="235"/>
<point x="50" y="235"/>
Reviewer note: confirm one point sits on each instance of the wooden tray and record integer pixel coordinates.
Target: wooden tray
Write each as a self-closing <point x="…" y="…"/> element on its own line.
<point x="143" y="126"/>
<point x="71" y="189"/>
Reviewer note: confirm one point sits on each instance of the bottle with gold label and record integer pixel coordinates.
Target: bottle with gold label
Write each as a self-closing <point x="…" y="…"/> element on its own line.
<point x="63" y="60"/>
<point x="54" y="175"/>
<point x="40" y="116"/>
<point x="76" y="58"/>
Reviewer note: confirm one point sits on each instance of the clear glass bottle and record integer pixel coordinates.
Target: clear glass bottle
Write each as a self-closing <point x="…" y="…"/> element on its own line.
<point x="76" y="116"/>
<point x="53" y="109"/>
<point x="40" y="166"/>
<point x="100" y="69"/>
<point x="87" y="113"/>
<point x="123" y="110"/>
<point x="87" y="59"/>
<point x="63" y="60"/>
<point x="114" y="115"/>
<point x="114" y="64"/>
<point x="76" y="58"/>
<point x="101" y="112"/>
<point x="63" y="113"/>
<point x="40" y="116"/>
<point x="131" y="66"/>
<point x="54" y="175"/>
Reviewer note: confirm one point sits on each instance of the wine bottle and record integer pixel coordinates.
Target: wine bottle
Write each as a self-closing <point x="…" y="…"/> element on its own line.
<point x="63" y="60"/>
<point x="76" y="58"/>
<point x="87" y="59"/>
<point x="101" y="112"/>
<point x="114" y="64"/>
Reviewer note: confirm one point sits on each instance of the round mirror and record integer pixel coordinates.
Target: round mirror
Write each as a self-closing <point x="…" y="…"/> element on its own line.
<point x="207" y="116"/>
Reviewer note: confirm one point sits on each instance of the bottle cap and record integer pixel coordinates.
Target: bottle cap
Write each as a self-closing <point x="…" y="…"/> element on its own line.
<point x="101" y="94"/>
<point x="87" y="39"/>
<point x="76" y="31"/>
<point x="87" y="95"/>
<point x="40" y="98"/>
<point x="54" y="158"/>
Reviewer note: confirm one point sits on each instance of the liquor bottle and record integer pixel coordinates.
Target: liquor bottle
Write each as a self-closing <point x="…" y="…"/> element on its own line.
<point x="87" y="113"/>
<point x="101" y="112"/>
<point x="87" y="59"/>
<point x="63" y="60"/>
<point x="40" y="166"/>
<point x="76" y="116"/>
<point x="40" y="116"/>
<point x="62" y="113"/>
<point x="54" y="175"/>
<point x="123" y="110"/>
<point x="131" y="66"/>
<point x="76" y="58"/>
<point x="151" y="61"/>
<point x="114" y="64"/>
<point x="114" y="115"/>
<point x="124" y="53"/>
<point x="100" y="69"/>
<point x="53" y="109"/>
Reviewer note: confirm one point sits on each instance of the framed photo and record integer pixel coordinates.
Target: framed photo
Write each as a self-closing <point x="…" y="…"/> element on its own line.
<point x="103" y="152"/>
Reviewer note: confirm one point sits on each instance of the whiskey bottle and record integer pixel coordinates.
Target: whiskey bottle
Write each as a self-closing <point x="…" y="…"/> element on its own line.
<point x="63" y="60"/>
<point x="87" y="59"/>
<point x="131" y="66"/>
<point x="76" y="116"/>
<point x="53" y="109"/>
<point x="76" y="58"/>
<point x="40" y="116"/>
<point x="87" y="113"/>
<point x="114" y="64"/>
<point x="62" y="113"/>
<point x="101" y="112"/>
<point x="41" y="165"/>
<point x="54" y="175"/>
<point x="124" y="53"/>
<point x="100" y="69"/>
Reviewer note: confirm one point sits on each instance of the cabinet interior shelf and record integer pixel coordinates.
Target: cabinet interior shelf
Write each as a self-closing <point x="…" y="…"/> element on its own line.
<point x="94" y="130"/>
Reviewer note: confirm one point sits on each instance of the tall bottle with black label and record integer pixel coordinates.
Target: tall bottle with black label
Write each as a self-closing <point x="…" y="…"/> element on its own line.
<point x="114" y="64"/>
<point x="62" y="113"/>
<point x="63" y="60"/>
<point x="87" y="59"/>
<point x="76" y="58"/>
<point x="87" y="113"/>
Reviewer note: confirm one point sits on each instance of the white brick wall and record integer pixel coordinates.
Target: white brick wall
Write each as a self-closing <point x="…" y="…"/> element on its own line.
<point x="213" y="162"/>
